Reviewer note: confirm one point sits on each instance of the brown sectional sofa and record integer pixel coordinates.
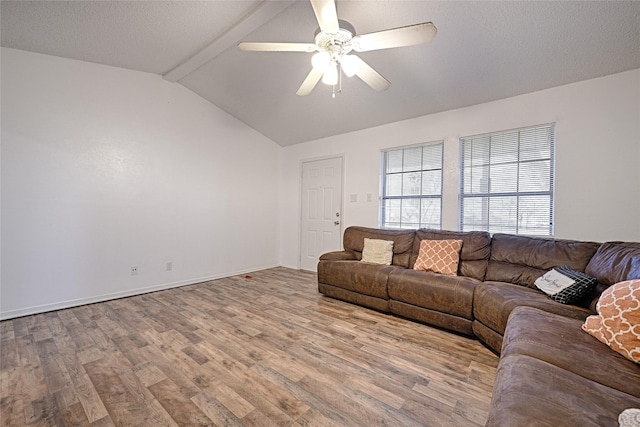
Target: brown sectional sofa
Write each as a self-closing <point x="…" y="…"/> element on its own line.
<point x="443" y="301"/>
<point x="515" y="263"/>
<point x="551" y="373"/>
<point x="362" y="283"/>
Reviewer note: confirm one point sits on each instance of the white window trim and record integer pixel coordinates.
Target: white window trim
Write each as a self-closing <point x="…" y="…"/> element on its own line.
<point x="383" y="183"/>
<point x="489" y="194"/>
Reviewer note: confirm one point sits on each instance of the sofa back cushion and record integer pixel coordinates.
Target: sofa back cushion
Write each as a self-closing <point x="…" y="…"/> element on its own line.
<point x="474" y="255"/>
<point x="521" y="259"/>
<point x="353" y="241"/>
<point x="613" y="262"/>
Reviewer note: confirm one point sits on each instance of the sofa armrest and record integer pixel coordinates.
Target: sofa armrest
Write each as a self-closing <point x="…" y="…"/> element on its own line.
<point x="338" y="256"/>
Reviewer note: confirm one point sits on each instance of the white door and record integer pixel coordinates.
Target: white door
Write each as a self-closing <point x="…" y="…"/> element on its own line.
<point x="321" y="210"/>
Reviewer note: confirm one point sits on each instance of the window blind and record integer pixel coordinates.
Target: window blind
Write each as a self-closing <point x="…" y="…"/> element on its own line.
<point x="506" y="183"/>
<point x="412" y="187"/>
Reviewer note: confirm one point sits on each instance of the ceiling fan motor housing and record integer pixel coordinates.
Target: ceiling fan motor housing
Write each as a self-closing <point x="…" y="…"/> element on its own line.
<point x="336" y="44"/>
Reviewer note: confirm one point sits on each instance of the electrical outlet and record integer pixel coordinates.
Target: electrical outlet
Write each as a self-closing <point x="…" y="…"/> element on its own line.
<point x="169" y="266"/>
<point x="134" y="271"/>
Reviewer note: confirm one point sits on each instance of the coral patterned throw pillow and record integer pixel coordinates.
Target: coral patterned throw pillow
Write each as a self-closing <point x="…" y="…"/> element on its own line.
<point x="618" y="321"/>
<point x="439" y="256"/>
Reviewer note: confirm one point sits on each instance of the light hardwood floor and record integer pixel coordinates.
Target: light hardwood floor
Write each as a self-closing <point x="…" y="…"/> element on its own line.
<point x="260" y="351"/>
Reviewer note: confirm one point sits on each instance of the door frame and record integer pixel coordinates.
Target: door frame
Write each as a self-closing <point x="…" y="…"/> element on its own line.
<point x="300" y="196"/>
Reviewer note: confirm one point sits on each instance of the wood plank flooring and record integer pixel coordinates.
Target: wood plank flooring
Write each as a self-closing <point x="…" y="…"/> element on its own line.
<point x="262" y="351"/>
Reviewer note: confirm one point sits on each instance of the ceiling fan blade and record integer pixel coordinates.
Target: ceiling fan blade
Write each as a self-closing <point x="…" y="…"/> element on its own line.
<point x="277" y="47"/>
<point x="396" y="37"/>
<point x="368" y="74"/>
<point x="326" y="15"/>
<point x="310" y="82"/>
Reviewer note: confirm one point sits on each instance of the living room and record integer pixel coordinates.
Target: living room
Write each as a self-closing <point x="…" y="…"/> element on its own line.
<point x="117" y="182"/>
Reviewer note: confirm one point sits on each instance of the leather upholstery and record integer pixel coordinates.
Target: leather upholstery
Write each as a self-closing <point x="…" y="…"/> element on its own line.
<point x="436" y="299"/>
<point x="338" y="256"/>
<point x="615" y="262"/>
<point x="375" y="303"/>
<point x="530" y="392"/>
<point x="432" y="317"/>
<point x="487" y="336"/>
<point x="353" y="241"/>
<point x="538" y="334"/>
<point x="342" y="275"/>
<point x="474" y="255"/>
<point x="521" y="260"/>
<point x="551" y="373"/>
<point x="448" y="294"/>
<point x="356" y="276"/>
<point x="494" y="301"/>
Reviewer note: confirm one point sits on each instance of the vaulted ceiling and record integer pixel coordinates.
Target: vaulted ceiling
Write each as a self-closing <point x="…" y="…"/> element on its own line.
<point x="484" y="51"/>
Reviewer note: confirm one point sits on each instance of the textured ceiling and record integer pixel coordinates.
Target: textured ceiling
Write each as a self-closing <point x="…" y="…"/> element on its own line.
<point x="483" y="51"/>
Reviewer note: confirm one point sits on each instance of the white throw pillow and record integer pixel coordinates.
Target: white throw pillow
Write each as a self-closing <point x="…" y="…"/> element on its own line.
<point x="553" y="282"/>
<point x="377" y="251"/>
<point x="629" y="418"/>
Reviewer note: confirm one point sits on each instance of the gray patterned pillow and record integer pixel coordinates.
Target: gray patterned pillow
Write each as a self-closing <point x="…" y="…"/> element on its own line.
<point x="565" y="285"/>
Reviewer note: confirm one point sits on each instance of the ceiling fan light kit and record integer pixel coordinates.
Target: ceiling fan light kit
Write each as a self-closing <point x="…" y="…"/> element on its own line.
<point x="320" y="61"/>
<point x="330" y="76"/>
<point x="334" y="41"/>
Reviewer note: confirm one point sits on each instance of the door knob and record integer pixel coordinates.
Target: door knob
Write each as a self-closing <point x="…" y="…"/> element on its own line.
<point x="336" y="222"/>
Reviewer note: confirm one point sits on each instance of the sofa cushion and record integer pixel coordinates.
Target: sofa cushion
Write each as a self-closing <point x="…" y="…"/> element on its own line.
<point x="436" y="318"/>
<point x="615" y="262"/>
<point x="487" y="336"/>
<point x="439" y="256"/>
<point x="353" y="241"/>
<point x="531" y="392"/>
<point x="356" y="276"/>
<point x="375" y="303"/>
<point x="618" y="321"/>
<point x="560" y="341"/>
<point x="447" y="294"/>
<point x="565" y="285"/>
<point x="521" y="259"/>
<point x="377" y="251"/>
<point x="474" y="255"/>
<point x="494" y="301"/>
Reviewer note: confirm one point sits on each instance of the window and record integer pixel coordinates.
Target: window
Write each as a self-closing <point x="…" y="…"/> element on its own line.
<point x="412" y="187"/>
<point x="507" y="181"/>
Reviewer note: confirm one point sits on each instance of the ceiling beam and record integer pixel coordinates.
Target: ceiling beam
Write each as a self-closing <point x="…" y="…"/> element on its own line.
<point x="262" y="13"/>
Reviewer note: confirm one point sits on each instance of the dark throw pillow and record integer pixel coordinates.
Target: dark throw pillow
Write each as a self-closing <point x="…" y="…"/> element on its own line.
<point x="565" y="285"/>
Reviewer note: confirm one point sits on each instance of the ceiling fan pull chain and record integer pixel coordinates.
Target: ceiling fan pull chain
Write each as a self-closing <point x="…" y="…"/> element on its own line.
<point x="333" y="91"/>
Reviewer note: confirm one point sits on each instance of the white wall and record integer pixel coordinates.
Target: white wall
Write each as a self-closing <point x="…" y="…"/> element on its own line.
<point x="105" y="168"/>
<point x="597" y="191"/>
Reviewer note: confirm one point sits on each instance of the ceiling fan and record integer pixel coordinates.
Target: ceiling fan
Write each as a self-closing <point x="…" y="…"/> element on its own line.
<point x="334" y="42"/>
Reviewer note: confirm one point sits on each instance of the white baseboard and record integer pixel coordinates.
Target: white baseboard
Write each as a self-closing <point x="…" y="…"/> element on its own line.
<point x="131" y="292"/>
